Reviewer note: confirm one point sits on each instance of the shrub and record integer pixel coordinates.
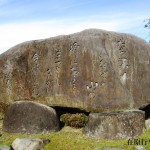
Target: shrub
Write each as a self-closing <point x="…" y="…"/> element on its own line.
<point x="77" y="120"/>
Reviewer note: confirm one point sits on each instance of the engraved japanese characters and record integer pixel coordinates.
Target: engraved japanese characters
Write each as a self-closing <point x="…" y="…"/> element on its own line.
<point x="93" y="70"/>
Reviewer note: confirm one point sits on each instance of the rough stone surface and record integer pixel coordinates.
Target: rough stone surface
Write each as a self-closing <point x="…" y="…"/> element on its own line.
<point x="29" y="144"/>
<point x="147" y="124"/>
<point x="5" y="147"/>
<point x="140" y="148"/>
<point x="117" y="125"/>
<point x="30" y="117"/>
<point x="112" y="148"/>
<point x="95" y="70"/>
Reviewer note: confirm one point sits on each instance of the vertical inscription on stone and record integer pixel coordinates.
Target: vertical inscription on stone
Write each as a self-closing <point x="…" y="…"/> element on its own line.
<point x="101" y="67"/>
<point x="103" y="70"/>
<point x="35" y="58"/>
<point x="91" y="89"/>
<point x="122" y="60"/>
<point x="19" y="90"/>
<point x="74" y="64"/>
<point x="35" y="70"/>
<point x="8" y="77"/>
<point x="49" y="81"/>
<point x="58" y="64"/>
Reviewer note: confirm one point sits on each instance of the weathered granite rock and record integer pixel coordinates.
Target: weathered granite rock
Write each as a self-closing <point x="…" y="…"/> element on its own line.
<point x="117" y="125"/>
<point x="5" y="147"/>
<point x="147" y="124"/>
<point x="140" y="148"/>
<point x="94" y="70"/>
<point x="30" y="117"/>
<point x="29" y="144"/>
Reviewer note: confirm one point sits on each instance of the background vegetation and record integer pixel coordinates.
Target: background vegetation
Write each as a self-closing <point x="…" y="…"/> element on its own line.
<point x="77" y="120"/>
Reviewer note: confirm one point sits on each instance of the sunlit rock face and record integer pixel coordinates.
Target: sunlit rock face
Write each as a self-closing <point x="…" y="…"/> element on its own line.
<point x="93" y="70"/>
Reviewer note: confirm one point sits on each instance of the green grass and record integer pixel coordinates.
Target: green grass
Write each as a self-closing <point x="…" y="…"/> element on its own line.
<point x="72" y="139"/>
<point x="68" y="138"/>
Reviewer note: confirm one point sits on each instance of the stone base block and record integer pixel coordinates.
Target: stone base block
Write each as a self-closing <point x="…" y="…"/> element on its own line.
<point x="116" y="125"/>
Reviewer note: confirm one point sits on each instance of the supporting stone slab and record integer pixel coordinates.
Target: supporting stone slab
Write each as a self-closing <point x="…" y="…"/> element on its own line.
<point x="115" y="125"/>
<point x="30" y="117"/>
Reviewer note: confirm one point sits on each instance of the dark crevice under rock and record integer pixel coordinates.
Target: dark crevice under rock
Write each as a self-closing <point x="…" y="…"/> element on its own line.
<point x="62" y="110"/>
<point x="146" y="109"/>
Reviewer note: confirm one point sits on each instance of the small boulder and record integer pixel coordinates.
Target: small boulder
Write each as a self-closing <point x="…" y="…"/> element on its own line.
<point x="30" y="117"/>
<point x="5" y="147"/>
<point x="29" y="144"/>
<point x="116" y="125"/>
<point x="147" y="124"/>
<point x="140" y="148"/>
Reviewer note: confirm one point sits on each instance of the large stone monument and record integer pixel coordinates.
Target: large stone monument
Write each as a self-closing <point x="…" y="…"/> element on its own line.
<point x="93" y="70"/>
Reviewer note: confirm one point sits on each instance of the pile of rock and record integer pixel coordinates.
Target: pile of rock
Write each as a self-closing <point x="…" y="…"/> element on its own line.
<point x="30" y="117"/>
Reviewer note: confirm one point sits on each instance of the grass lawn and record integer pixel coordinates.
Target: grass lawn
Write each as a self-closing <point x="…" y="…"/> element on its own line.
<point x="72" y="139"/>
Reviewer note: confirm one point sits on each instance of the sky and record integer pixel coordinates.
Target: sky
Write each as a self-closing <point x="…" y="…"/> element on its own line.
<point x="24" y="20"/>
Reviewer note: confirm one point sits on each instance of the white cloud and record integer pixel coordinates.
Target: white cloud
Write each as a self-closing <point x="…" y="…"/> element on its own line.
<point x="12" y="34"/>
<point x="15" y="33"/>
